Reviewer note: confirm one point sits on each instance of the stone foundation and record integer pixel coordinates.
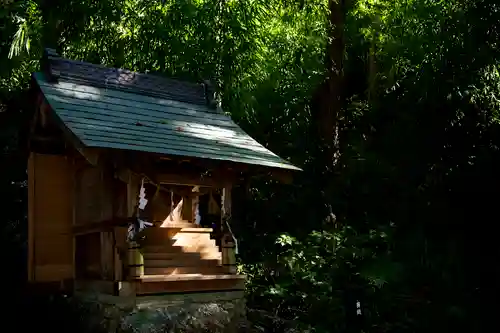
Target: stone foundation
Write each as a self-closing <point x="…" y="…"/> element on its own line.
<point x="193" y="312"/>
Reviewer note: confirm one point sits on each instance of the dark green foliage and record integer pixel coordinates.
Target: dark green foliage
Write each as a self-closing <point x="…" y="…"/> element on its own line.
<point x="417" y="182"/>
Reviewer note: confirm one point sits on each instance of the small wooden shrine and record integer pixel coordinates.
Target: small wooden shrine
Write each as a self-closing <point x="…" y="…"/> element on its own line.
<point x="130" y="179"/>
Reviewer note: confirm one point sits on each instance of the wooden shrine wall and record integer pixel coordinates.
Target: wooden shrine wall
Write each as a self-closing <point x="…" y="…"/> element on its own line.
<point x="94" y="195"/>
<point x="50" y="215"/>
<point x="99" y="197"/>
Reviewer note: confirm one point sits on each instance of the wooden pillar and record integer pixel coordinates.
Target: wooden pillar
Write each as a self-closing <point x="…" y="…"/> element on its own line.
<point x="228" y="245"/>
<point x="187" y="212"/>
<point x="195" y="203"/>
<point x="107" y="255"/>
<point x="133" y="187"/>
<point x="226" y="203"/>
<point x="135" y="261"/>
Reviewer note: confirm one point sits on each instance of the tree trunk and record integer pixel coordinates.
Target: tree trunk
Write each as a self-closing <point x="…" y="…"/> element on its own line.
<point x="328" y="101"/>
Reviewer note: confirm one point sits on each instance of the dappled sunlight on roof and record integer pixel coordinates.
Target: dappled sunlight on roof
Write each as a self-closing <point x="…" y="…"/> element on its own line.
<point x="123" y="116"/>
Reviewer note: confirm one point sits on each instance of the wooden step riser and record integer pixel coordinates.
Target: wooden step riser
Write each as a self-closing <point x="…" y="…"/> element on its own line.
<point x="181" y="247"/>
<point x="201" y="248"/>
<point x="151" y="288"/>
<point x="175" y="249"/>
<point x="175" y="224"/>
<point x="182" y="263"/>
<point x="193" y="249"/>
<point x="182" y="270"/>
<point x="195" y="243"/>
<point x="171" y="232"/>
<point x="179" y="239"/>
<point x="162" y="249"/>
<point x="182" y="256"/>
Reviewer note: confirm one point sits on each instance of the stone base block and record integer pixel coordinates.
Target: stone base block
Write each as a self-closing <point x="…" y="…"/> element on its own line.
<point x="193" y="312"/>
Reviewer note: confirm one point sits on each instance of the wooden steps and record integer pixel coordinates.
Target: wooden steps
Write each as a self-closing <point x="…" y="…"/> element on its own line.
<point x="181" y="252"/>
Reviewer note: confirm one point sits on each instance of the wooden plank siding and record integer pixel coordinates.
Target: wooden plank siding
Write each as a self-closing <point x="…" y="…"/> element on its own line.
<point x="50" y="218"/>
<point x="94" y="199"/>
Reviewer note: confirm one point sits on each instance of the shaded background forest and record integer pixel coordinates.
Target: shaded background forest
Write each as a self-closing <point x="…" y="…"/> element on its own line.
<point x="390" y="106"/>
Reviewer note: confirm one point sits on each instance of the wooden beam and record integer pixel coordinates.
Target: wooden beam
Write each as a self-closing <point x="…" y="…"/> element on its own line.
<point x="145" y="287"/>
<point x="182" y="178"/>
<point x="187" y="212"/>
<point x="186" y="190"/>
<point x="90" y="154"/>
<point x="216" y="180"/>
<point x="227" y="242"/>
<point x="181" y="189"/>
<point x="121" y="247"/>
<point x="107" y="255"/>
<point x="132" y="194"/>
<point x="117" y="262"/>
<point x="226" y="201"/>
<point x="44" y="111"/>
<point x="177" y="170"/>
<point x="99" y="226"/>
<point x="123" y="174"/>
<point x="224" y="166"/>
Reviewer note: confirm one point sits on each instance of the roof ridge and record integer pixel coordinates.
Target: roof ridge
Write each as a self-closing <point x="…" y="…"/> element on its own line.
<point x="126" y="80"/>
